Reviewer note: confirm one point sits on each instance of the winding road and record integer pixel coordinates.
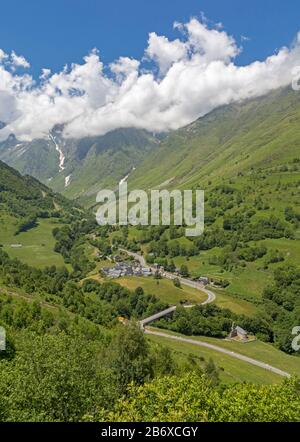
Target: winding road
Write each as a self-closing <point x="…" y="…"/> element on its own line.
<point x="220" y="350"/>
<point x="194" y="284"/>
<point x="210" y="298"/>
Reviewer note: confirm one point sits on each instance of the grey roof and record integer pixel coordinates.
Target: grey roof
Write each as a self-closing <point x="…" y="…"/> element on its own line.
<point x="240" y="330"/>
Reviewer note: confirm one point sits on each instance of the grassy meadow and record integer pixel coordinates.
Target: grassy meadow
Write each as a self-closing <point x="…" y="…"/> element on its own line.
<point x="37" y="244"/>
<point x="164" y="289"/>
<point x="234" y="369"/>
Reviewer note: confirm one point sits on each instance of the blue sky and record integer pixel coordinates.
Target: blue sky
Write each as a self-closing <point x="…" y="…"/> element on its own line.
<point x="50" y="33"/>
<point x="147" y="73"/>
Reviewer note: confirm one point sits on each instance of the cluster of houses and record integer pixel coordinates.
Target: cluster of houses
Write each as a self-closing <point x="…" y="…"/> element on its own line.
<point x="126" y="269"/>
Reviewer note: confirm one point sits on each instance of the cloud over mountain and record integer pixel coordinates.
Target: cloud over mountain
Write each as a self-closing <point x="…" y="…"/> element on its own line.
<point x="188" y="77"/>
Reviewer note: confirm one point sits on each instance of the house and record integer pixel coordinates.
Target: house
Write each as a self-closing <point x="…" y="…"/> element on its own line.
<point x="126" y="269"/>
<point x="238" y="333"/>
<point x="146" y="271"/>
<point x="113" y="273"/>
<point x="203" y="280"/>
<point x="137" y="271"/>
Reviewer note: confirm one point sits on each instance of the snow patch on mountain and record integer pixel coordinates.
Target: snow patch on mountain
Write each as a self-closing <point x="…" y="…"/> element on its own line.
<point x="125" y="178"/>
<point x="61" y="154"/>
<point x="67" y="180"/>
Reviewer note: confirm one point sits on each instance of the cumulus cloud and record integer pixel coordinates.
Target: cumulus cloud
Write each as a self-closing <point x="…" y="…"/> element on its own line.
<point x="19" y="61"/>
<point x="164" y="51"/>
<point x="7" y="107"/>
<point x="3" y="55"/>
<point x="188" y="77"/>
<point x="45" y="73"/>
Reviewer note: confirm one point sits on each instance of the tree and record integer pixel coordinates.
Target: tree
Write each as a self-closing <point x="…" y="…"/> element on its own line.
<point x="130" y="356"/>
<point x="164" y="362"/>
<point x="212" y="372"/>
<point x="176" y="282"/>
<point x="157" y="274"/>
<point x="139" y="291"/>
<point x="54" y="378"/>
<point x="162" y="400"/>
<point x="171" y="266"/>
<point x="184" y="271"/>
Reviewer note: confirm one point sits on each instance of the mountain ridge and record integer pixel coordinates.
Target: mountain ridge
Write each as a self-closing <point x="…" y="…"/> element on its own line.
<point x="88" y="163"/>
<point x="227" y="141"/>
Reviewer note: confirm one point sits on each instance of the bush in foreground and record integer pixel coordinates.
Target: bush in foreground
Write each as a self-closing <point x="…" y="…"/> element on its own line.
<point x="193" y="398"/>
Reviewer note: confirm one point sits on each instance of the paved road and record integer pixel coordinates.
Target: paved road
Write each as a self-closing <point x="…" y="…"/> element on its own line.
<point x="210" y="298"/>
<point x="210" y="295"/>
<point x="136" y="256"/>
<point x="158" y="315"/>
<point x="221" y="350"/>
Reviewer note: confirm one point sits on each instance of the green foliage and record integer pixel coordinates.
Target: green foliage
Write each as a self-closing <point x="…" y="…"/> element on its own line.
<point x="26" y="199"/>
<point x="53" y="378"/>
<point x="282" y="303"/>
<point x="184" y="271"/>
<point x="176" y="282"/>
<point x="70" y="241"/>
<point x="119" y="301"/>
<point x="191" y="398"/>
<point x="130" y="356"/>
<point x="210" y="320"/>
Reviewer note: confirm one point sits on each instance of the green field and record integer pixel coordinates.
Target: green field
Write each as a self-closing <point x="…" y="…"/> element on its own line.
<point x="234" y="369"/>
<point x="37" y="243"/>
<point x="248" y="281"/>
<point x="163" y="289"/>
<point x="236" y="305"/>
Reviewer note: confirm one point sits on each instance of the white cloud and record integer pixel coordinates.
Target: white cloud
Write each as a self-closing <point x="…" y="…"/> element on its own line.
<point x="212" y="44"/>
<point x="19" y="61"/>
<point x="164" y="51"/>
<point x="3" y="55"/>
<point x="245" y="38"/>
<point x="45" y="73"/>
<point x="196" y="74"/>
<point x="7" y="107"/>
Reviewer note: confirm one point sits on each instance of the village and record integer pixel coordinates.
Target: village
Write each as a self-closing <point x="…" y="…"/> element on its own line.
<point x="126" y="269"/>
<point x="135" y="268"/>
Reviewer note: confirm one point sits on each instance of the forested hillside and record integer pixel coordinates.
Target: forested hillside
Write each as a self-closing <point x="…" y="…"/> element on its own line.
<point x="25" y="199"/>
<point x="73" y="347"/>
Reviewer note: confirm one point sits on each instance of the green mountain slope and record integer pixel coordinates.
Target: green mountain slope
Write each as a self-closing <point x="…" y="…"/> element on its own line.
<point x="23" y="196"/>
<point x="37" y="158"/>
<point x="79" y="168"/>
<point x="232" y="139"/>
<point x="102" y="161"/>
<point x="247" y="159"/>
<point x="29" y="211"/>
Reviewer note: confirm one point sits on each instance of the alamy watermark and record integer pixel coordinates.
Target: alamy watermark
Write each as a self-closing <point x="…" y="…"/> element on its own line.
<point x="2" y="339"/>
<point x="157" y="207"/>
<point x="296" y="340"/>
